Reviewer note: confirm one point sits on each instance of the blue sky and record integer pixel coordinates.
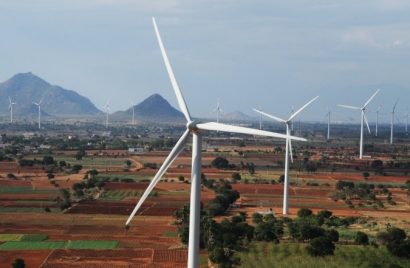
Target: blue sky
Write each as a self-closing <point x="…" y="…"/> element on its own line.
<point x="245" y="53"/>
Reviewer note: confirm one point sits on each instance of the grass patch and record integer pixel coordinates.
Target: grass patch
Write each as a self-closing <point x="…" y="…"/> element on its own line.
<point x="83" y="244"/>
<point x="10" y="237"/>
<point x="25" y="190"/>
<point x="203" y="260"/>
<point x="262" y="254"/>
<point x="36" y="202"/>
<point x="113" y="198"/>
<point x="170" y="234"/>
<point x="34" y="237"/>
<point x="28" y="210"/>
<point x="14" y="245"/>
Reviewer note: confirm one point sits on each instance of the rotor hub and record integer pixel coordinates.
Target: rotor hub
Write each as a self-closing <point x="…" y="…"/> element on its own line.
<point x="192" y="126"/>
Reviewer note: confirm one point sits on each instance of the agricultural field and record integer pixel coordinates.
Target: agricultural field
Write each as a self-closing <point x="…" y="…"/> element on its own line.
<point x="91" y="231"/>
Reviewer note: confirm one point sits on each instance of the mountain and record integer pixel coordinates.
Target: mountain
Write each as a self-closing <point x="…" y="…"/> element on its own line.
<point x="154" y="106"/>
<point x="26" y="88"/>
<point x="237" y="115"/>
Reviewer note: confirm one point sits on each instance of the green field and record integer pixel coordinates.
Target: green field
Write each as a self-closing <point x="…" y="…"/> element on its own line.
<point x="92" y="244"/>
<point x="37" y="202"/>
<point x="50" y="245"/>
<point x="34" y="237"/>
<point x="263" y="254"/>
<point x="28" y="210"/>
<point x="10" y="237"/>
<point x="25" y="190"/>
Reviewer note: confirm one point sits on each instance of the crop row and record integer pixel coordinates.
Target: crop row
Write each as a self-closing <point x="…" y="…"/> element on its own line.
<point x="25" y="190"/>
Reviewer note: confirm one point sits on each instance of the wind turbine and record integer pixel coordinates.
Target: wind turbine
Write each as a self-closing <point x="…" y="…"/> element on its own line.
<point x="196" y="129"/>
<point x="260" y="117"/>
<point x="363" y="118"/>
<point x="377" y="117"/>
<point x="218" y="110"/>
<point x="11" y="110"/>
<point x="392" y="122"/>
<point x="328" y="120"/>
<point x="132" y="112"/>
<point x="39" y="113"/>
<point x="108" y="111"/>
<point x="406" y="115"/>
<point x="287" y="151"/>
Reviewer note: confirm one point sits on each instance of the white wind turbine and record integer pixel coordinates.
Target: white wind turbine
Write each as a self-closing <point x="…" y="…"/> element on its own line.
<point x="108" y="111"/>
<point x="392" y="122"/>
<point x="287" y="152"/>
<point x="11" y="109"/>
<point x="217" y="110"/>
<point x="328" y="120"/>
<point x="39" y="113"/>
<point x="197" y="130"/>
<point x="260" y="117"/>
<point x="363" y="118"/>
<point x="132" y="112"/>
<point x="377" y="117"/>
<point x="406" y="115"/>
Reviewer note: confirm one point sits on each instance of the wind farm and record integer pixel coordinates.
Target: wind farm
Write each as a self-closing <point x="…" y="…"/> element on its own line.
<point x="172" y="180"/>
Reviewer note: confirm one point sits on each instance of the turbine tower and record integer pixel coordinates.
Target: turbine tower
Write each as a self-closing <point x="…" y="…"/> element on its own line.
<point x="377" y="117"/>
<point x="108" y="111"/>
<point x="392" y="122"/>
<point x="11" y="110"/>
<point x="218" y="110"/>
<point x="132" y="112"/>
<point x="287" y="151"/>
<point x="39" y="113"/>
<point x="197" y="129"/>
<point x="363" y="118"/>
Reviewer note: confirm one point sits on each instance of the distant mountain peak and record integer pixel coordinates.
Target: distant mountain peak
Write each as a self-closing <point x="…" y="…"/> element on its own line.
<point x="25" y="88"/>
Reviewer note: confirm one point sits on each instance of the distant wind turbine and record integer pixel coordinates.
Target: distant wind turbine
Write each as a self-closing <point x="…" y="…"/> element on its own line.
<point x="392" y="122"/>
<point x="108" y="111"/>
<point x="287" y="152"/>
<point x="328" y="120"/>
<point x="11" y="109"/>
<point x="363" y="118"/>
<point x="377" y="117"/>
<point x="197" y="130"/>
<point x="217" y="110"/>
<point x="260" y="117"/>
<point x="132" y="112"/>
<point x="39" y="113"/>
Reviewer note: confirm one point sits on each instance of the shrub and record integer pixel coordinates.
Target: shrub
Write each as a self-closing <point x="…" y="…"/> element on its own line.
<point x="320" y="246"/>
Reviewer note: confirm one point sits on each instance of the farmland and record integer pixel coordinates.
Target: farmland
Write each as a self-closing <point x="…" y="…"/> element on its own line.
<point x="91" y="231"/>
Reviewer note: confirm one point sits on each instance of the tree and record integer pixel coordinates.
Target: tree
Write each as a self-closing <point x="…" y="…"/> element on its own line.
<point x="333" y="235"/>
<point x="80" y="154"/>
<point x="320" y="246"/>
<point x="281" y="179"/>
<point x="181" y="178"/>
<point x="128" y="163"/>
<point x="361" y="238"/>
<point x="236" y="176"/>
<point x="18" y="263"/>
<point x="48" y="160"/>
<point x="399" y="248"/>
<point x="10" y="176"/>
<point x="365" y="175"/>
<point x="50" y="176"/>
<point x="304" y="213"/>
<point x="265" y="232"/>
<point x="257" y="218"/>
<point x="220" y="162"/>
<point x="62" y="163"/>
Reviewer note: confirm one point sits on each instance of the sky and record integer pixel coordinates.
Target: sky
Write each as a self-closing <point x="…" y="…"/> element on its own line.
<point x="248" y="54"/>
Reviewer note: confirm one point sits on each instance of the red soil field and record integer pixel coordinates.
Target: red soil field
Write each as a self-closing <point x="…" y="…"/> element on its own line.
<point x="22" y="228"/>
<point x="32" y="258"/>
<point x="128" y="186"/>
<point x="6" y="182"/>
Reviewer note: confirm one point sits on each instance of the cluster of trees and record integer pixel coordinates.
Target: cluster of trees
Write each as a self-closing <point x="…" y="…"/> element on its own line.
<point x="5" y="158"/>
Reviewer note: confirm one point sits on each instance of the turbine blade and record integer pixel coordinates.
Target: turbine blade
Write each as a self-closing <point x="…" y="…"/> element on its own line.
<point x="270" y="116"/>
<point x="395" y="104"/>
<point x="168" y="161"/>
<point x="41" y="101"/>
<point x="327" y="106"/>
<point x="180" y="98"/>
<point x="298" y="111"/>
<point x="212" y="126"/>
<point x="350" y="107"/>
<point x="370" y="98"/>
<point x="365" y="119"/>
